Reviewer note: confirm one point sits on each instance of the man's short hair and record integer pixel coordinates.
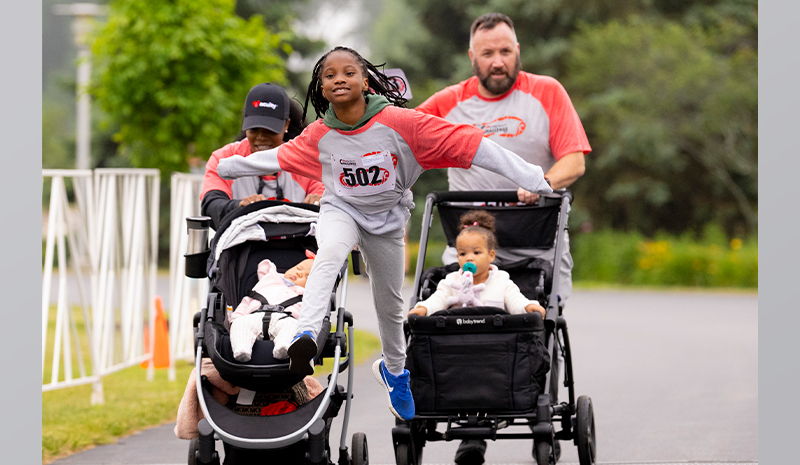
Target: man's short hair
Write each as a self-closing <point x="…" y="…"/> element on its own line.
<point x="489" y="21"/>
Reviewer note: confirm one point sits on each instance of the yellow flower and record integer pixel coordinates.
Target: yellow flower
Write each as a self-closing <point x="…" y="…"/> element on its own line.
<point x="736" y="244"/>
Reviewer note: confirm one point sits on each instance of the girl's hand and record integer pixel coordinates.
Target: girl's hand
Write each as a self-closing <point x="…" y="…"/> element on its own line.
<point x="421" y="311"/>
<point x="530" y="308"/>
<point x="251" y="199"/>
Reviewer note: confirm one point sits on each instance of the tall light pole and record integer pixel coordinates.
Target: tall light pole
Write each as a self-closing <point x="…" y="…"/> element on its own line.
<point x="82" y="14"/>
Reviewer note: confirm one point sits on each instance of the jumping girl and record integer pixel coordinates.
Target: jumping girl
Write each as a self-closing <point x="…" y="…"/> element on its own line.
<point x="369" y="152"/>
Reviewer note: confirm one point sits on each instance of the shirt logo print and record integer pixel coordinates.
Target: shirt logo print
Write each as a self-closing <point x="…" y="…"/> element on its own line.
<point x="506" y="126"/>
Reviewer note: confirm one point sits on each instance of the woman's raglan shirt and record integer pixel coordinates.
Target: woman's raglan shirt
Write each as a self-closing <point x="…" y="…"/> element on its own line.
<point x="367" y="172"/>
<point x="294" y="188"/>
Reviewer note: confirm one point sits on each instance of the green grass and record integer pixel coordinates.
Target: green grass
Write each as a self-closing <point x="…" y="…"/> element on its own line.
<point x="70" y="424"/>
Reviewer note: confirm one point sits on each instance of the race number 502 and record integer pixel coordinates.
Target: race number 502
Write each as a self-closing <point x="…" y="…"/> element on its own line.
<point x="362" y="176"/>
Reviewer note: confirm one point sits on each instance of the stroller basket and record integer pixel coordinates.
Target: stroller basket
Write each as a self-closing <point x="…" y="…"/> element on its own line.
<point x="476" y="359"/>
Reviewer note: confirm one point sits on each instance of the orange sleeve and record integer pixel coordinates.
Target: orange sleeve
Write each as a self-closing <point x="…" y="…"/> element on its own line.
<point x="211" y="180"/>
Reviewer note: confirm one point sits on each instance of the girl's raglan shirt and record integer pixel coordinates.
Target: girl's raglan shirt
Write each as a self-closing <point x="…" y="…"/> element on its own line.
<point x="367" y="172"/>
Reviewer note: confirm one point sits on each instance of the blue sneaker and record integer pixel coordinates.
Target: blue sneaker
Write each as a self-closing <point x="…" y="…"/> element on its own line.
<point x="301" y="353"/>
<point x="398" y="388"/>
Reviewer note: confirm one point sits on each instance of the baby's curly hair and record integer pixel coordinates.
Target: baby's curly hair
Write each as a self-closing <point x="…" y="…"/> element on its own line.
<point x="480" y="222"/>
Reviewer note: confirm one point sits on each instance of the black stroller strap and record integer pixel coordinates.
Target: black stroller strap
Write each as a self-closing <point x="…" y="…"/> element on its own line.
<point x="270" y="310"/>
<point x="264" y="302"/>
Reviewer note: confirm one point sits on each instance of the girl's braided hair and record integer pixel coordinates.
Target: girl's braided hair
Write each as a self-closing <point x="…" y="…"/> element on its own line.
<point x="479" y="222"/>
<point x="378" y="82"/>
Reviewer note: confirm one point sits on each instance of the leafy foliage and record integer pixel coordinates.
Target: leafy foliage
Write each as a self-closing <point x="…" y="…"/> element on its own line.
<point x="674" y="121"/>
<point x="705" y="260"/>
<point x="172" y="76"/>
<point x="280" y="17"/>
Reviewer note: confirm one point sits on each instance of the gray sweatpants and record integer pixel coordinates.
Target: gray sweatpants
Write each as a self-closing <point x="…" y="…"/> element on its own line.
<point x="337" y="234"/>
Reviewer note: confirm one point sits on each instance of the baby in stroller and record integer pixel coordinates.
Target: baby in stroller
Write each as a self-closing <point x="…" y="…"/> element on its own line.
<point x="478" y="282"/>
<point x="276" y="298"/>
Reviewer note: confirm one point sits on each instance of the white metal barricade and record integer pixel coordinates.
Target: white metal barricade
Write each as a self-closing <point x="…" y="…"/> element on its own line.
<point x="114" y="236"/>
<point x="127" y="231"/>
<point x="187" y="295"/>
<point x="68" y="227"/>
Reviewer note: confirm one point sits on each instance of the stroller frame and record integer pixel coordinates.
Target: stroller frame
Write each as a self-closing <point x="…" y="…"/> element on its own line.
<point x="576" y="419"/>
<point x="316" y="429"/>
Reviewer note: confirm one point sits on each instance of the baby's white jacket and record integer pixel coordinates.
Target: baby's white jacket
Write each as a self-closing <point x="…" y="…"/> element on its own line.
<point x="500" y="292"/>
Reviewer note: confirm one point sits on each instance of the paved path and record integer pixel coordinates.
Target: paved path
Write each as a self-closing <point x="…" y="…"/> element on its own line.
<point x="673" y="379"/>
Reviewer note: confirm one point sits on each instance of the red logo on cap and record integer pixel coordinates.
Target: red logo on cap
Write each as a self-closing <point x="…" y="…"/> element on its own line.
<point x="256" y="103"/>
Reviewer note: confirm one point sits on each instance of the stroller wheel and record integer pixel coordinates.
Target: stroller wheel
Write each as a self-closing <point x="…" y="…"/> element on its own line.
<point x="194" y="446"/>
<point x="584" y="430"/>
<point x="542" y="453"/>
<point x="360" y="452"/>
<point x="402" y="455"/>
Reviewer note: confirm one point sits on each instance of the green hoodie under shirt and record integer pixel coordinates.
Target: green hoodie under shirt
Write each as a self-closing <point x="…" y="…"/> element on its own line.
<point x="375" y="103"/>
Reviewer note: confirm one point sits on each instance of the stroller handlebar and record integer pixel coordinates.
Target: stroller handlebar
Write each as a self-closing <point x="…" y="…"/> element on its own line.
<point x="508" y="196"/>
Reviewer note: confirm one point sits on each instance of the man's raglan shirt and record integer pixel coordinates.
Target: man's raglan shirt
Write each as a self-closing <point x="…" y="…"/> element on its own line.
<point x="535" y="119"/>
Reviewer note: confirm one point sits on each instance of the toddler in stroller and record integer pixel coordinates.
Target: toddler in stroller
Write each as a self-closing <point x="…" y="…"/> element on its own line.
<point x="282" y="233"/>
<point x="478" y="280"/>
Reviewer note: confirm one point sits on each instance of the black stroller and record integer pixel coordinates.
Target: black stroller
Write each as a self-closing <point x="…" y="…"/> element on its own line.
<point x="480" y="370"/>
<point x="281" y="232"/>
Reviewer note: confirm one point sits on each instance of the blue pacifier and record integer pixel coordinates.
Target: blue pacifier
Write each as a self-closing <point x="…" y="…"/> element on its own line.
<point x="469" y="266"/>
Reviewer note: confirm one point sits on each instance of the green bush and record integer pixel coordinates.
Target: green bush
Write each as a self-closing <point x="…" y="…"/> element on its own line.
<point x="629" y="258"/>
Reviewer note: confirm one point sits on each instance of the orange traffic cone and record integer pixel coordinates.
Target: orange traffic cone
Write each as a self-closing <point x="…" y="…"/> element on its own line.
<point x="161" y="358"/>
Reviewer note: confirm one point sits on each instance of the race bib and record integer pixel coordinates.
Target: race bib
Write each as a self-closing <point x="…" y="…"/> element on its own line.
<point x="371" y="174"/>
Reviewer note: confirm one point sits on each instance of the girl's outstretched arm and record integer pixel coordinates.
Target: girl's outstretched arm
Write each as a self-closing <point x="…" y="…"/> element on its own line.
<point x="257" y="164"/>
<point x="495" y="158"/>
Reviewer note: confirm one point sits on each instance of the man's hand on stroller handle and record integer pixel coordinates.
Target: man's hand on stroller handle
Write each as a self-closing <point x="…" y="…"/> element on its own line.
<point x="566" y="170"/>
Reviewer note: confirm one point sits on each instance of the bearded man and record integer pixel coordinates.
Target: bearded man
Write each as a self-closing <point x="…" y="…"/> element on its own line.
<point x="529" y="114"/>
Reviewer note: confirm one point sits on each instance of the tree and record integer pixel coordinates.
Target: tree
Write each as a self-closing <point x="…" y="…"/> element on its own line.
<point x="280" y="17"/>
<point x="672" y="111"/>
<point x="173" y="75"/>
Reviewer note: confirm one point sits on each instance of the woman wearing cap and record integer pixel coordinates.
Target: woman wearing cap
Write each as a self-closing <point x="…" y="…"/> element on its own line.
<point x="270" y="119"/>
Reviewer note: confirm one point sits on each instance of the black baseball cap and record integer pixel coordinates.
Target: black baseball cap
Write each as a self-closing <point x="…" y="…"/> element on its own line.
<point x="267" y="106"/>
